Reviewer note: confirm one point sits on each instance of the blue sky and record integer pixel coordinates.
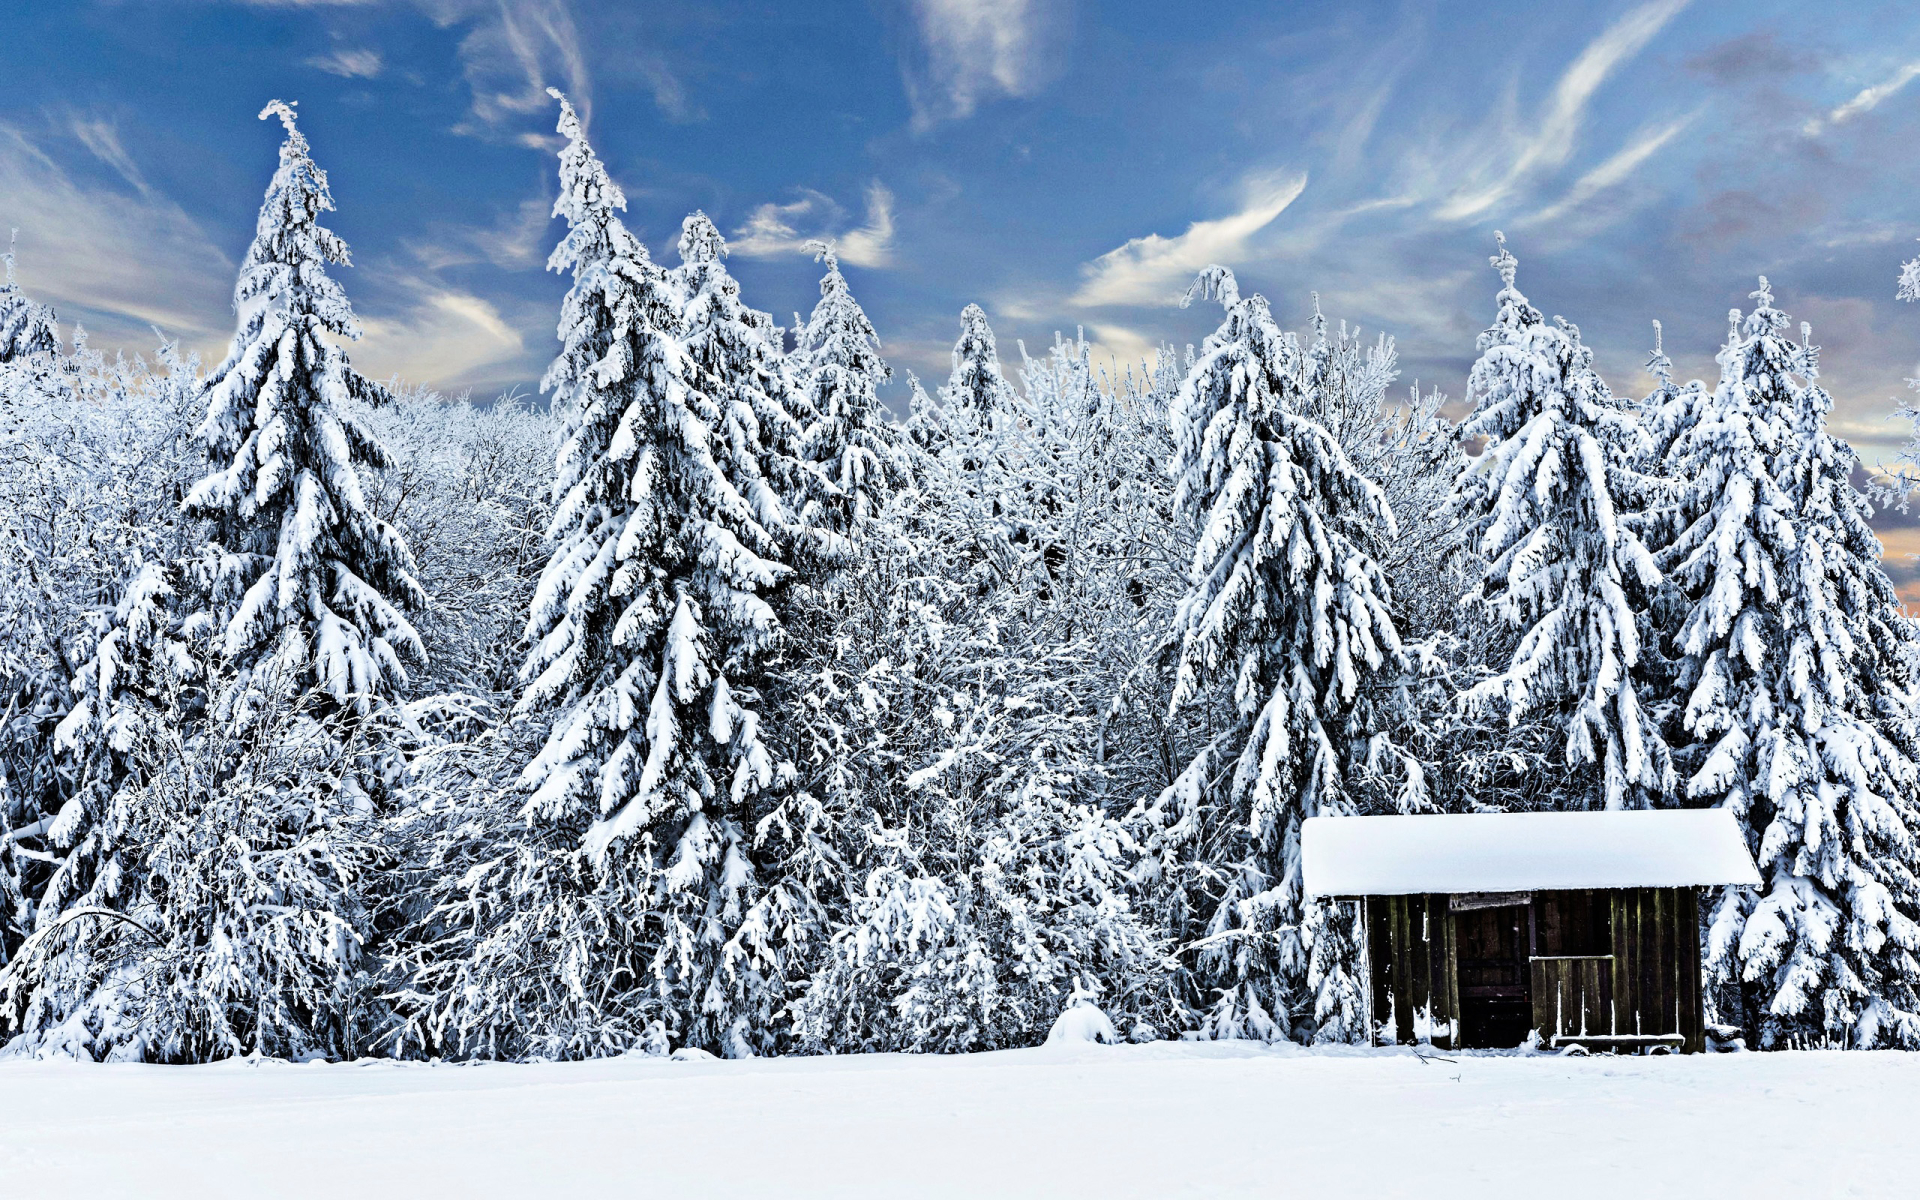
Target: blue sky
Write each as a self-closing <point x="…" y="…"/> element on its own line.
<point x="1060" y="163"/>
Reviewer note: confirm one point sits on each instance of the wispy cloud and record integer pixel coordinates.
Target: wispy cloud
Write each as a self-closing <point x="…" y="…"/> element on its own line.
<point x="775" y="229"/>
<point x="517" y="241"/>
<point x="101" y="137"/>
<point x="348" y="64"/>
<point x="510" y="52"/>
<point x="120" y="259"/>
<point x="976" y="50"/>
<point x="437" y="335"/>
<point x="1866" y="100"/>
<point x="1612" y="172"/>
<point x="1552" y="134"/>
<point x="1153" y="270"/>
<point x="513" y="52"/>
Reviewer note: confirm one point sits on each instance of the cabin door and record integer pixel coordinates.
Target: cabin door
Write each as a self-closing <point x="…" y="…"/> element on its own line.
<point x="1496" y="993"/>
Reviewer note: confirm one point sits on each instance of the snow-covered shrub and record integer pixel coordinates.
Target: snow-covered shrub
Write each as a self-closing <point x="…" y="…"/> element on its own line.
<point x="222" y="916"/>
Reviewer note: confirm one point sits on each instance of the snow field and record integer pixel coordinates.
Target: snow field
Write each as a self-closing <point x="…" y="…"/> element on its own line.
<point x="1161" y="1120"/>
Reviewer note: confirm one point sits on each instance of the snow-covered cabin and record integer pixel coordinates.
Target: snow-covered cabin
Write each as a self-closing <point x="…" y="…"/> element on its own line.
<point x="1481" y="929"/>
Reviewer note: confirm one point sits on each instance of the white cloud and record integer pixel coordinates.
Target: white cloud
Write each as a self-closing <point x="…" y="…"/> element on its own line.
<point x="513" y="52"/>
<point x="348" y="64"/>
<point x="439" y="335"/>
<point x="1611" y="172"/>
<point x="976" y="50"/>
<point x="1155" y="270"/>
<point x="518" y="241"/>
<point x="121" y="260"/>
<point x="775" y="229"/>
<point x="1555" y="129"/>
<point x="101" y="137"/>
<point x="1126" y="347"/>
<point x="1867" y="100"/>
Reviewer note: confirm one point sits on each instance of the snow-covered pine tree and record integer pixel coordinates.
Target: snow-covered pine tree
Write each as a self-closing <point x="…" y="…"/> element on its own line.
<point x="1547" y="505"/>
<point x="989" y="459"/>
<point x="848" y="435"/>
<point x="1797" y="669"/>
<point x="27" y="328"/>
<point x="926" y="423"/>
<point x="977" y="388"/>
<point x="309" y="586"/>
<point x="630" y="895"/>
<point x="210" y="903"/>
<point x="1286" y="608"/>
<point x="733" y="360"/>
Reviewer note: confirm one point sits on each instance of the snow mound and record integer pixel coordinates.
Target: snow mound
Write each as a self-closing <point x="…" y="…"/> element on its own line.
<point x="1082" y="1022"/>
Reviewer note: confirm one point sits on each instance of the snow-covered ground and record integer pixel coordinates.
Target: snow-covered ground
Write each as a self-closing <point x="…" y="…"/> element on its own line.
<point x="1160" y="1120"/>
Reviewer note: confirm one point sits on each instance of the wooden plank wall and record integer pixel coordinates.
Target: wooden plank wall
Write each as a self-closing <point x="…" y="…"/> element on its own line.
<point x="1573" y="996"/>
<point x="1654" y="987"/>
<point x="1656" y="973"/>
<point x="1412" y="954"/>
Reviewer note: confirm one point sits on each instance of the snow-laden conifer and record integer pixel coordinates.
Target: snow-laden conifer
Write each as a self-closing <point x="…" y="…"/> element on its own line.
<point x="1546" y="505"/>
<point x="631" y="895"/>
<point x="848" y="434"/>
<point x="664" y="538"/>
<point x="210" y="847"/>
<point x="733" y="361"/>
<point x="977" y="388"/>
<point x="1795" y="666"/>
<point x="309" y="586"/>
<point x="1287" y="609"/>
<point x="27" y="328"/>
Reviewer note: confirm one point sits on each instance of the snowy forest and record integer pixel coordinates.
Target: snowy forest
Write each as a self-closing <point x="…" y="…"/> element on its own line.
<point x="706" y="701"/>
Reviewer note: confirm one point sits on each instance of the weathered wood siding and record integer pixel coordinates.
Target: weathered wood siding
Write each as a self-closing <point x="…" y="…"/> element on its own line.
<point x="1572" y="996"/>
<point x="1648" y="984"/>
<point x="1415" y="985"/>
<point x="1656" y="972"/>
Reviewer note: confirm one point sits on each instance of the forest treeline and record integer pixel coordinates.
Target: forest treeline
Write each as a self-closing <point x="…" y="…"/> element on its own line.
<point x="708" y="703"/>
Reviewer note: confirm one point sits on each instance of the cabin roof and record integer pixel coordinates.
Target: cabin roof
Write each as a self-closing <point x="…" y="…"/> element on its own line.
<point x="1519" y="852"/>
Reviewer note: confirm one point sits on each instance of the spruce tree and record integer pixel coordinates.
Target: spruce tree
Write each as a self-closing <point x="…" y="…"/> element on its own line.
<point x="651" y="615"/>
<point x="857" y="449"/>
<point x="1796" y="666"/>
<point x="307" y="583"/>
<point x="978" y="388"/>
<point x="1547" y="506"/>
<point x="1287" y="612"/>
<point x="210" y="900"/>
<point x="27" y="328"/>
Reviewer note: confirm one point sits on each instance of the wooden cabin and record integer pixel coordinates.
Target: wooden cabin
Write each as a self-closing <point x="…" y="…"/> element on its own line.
<point x="1482" y="930"/>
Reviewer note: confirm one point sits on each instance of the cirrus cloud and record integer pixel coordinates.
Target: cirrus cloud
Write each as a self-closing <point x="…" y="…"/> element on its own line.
<point x="1154" y="270"/>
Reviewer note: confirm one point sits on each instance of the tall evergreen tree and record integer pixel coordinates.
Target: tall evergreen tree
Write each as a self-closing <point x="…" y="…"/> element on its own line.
<point x="1546" y="505"/>
<point x="210" y="903"/>
<point x="848" y="434"/>
<point x="26" y="328"/>
<point x="1797" y="669"/>
<point x="649" y="619"/>
<point x="978" y="388"/>
<point x="307" y="583"/>
<point x="1287" y="610"/>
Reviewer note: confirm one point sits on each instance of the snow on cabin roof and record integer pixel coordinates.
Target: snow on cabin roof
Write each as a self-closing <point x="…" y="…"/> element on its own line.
<point x="1521" y="852"/>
